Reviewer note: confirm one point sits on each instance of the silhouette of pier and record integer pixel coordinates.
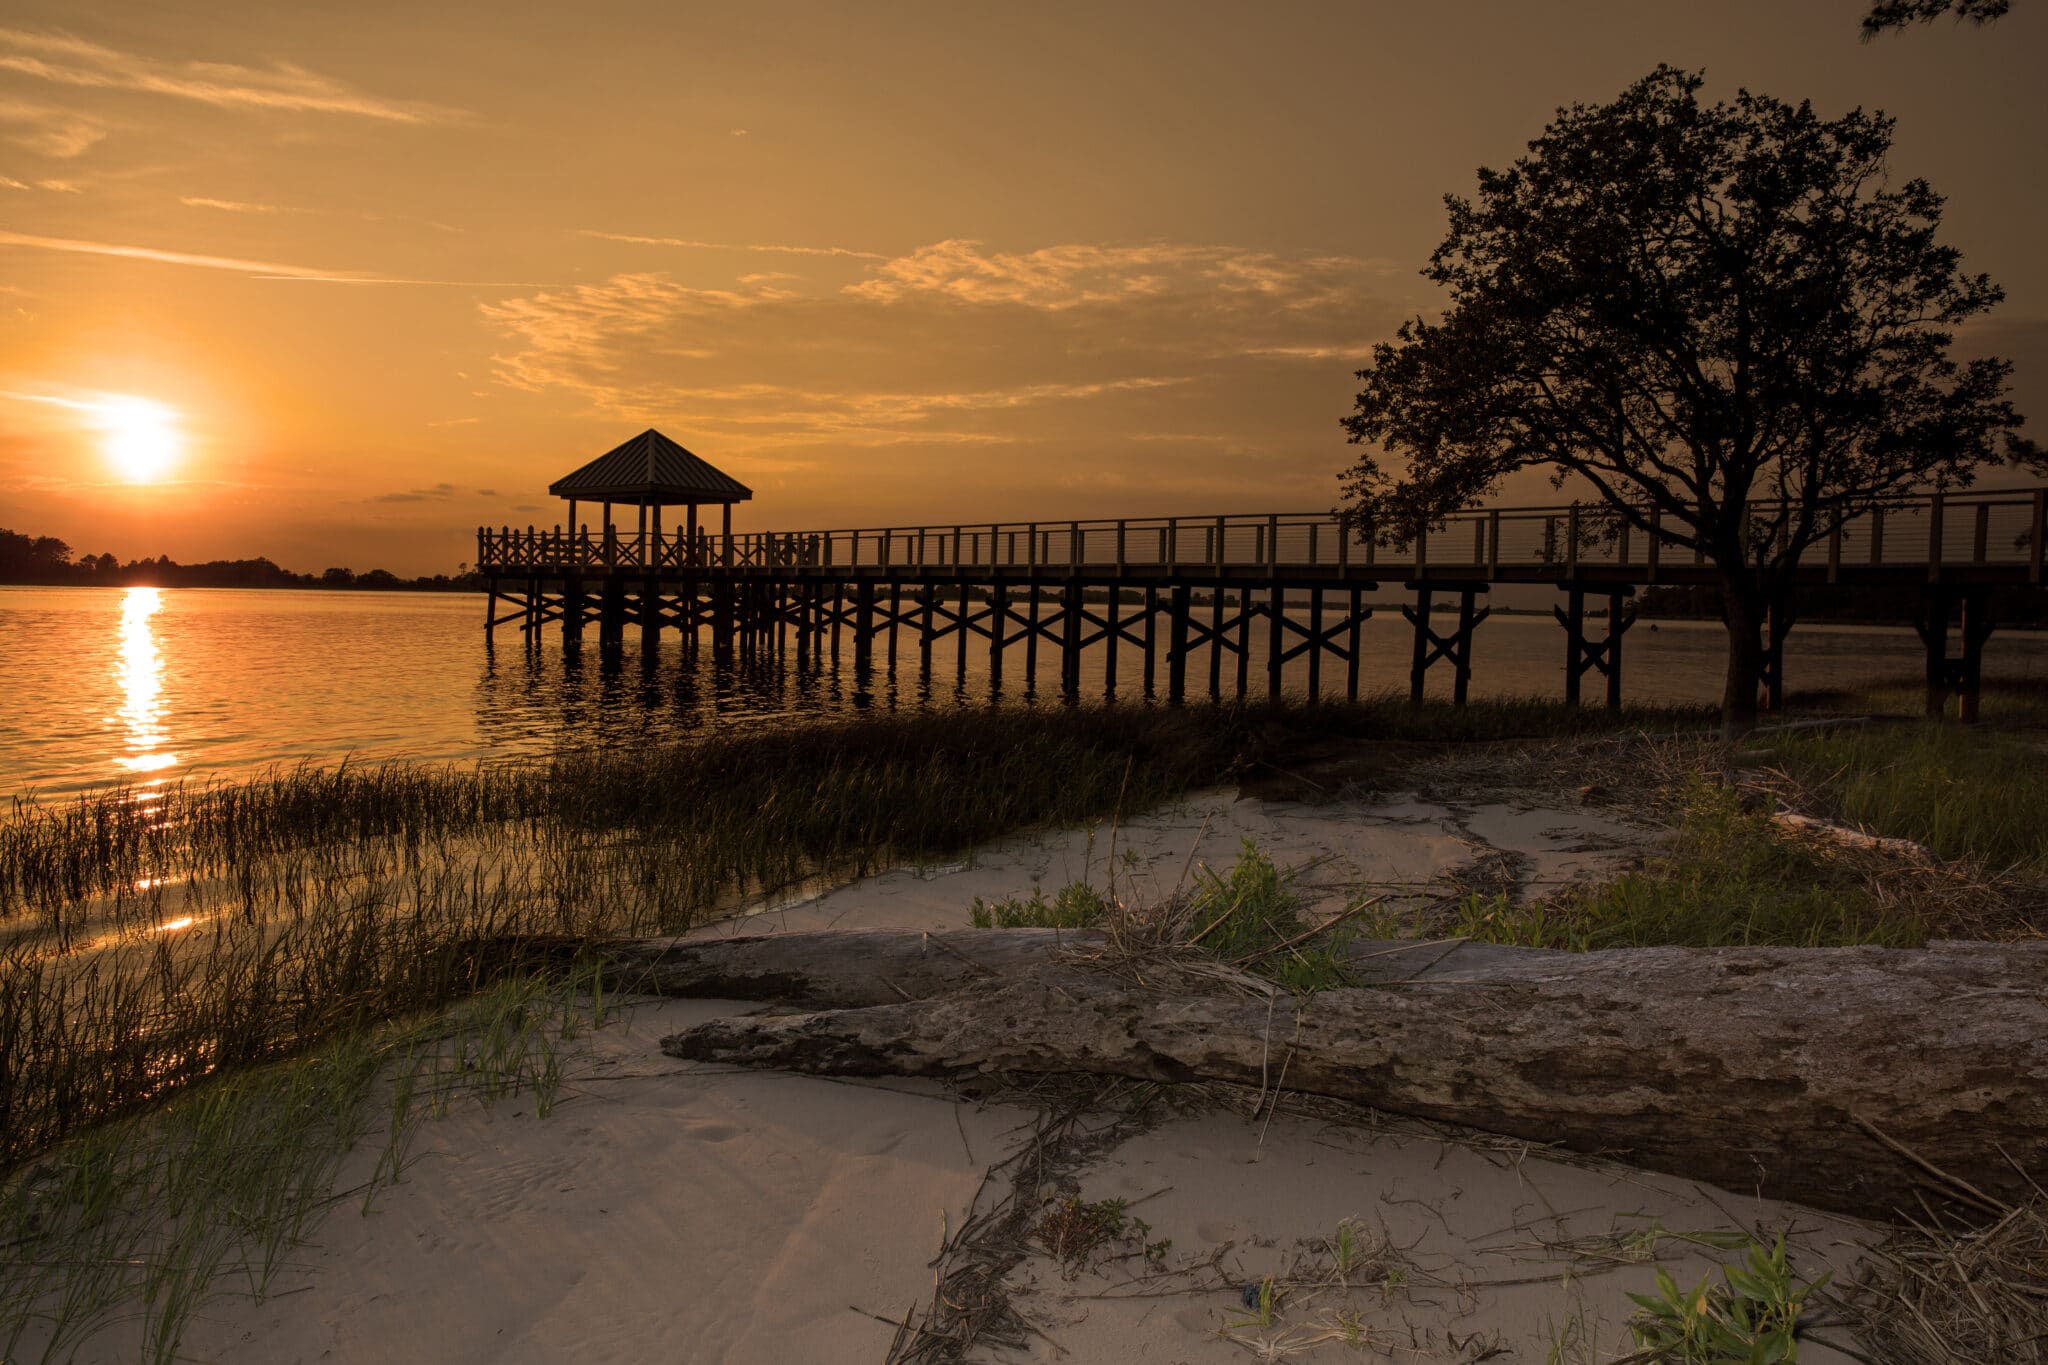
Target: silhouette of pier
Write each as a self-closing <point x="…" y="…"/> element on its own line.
<point x="1151" y="591"/>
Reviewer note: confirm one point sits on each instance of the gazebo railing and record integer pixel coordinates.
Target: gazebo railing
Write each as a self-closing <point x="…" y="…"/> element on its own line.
<point x="2003" y="527"/>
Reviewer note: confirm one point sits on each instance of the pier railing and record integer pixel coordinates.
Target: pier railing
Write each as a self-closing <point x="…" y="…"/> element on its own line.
<point x="1994" y="528"/>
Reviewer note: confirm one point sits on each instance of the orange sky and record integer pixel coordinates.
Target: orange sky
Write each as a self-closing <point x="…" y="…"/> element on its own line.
<point x="392" y="267"/>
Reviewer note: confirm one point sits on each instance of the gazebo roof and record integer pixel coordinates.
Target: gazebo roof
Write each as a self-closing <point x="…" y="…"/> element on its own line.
<point x="652" y="469"/>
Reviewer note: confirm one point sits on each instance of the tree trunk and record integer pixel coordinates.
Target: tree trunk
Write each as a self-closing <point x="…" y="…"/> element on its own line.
<point x="835" y="968"/>
<point x="1744" y="610"/>
<point x="1822" y="1075"/>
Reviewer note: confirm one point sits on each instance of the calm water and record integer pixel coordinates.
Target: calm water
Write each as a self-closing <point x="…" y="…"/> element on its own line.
<point x="141" y="684"/>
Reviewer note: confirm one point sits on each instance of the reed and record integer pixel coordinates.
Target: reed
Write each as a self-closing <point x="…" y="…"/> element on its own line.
<point x="1972" y="793"/>
<point x="214" y="928"/>
<point x="151" y="1217"/>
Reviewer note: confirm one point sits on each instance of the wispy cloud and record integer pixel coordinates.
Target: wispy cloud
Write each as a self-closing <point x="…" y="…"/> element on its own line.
<point x="1068" y="276"/>
<point x="51" y="400"/>
<point x="261" y="270"/>
<point x="1064" y="357"/>
<point x="234" y="205"/>
<point x="49" y="131"/>
<point x="772" y="248"/>
<point x="197" y="201"/>
<point x="438" y="492"/>
<point x="64" y="60"/>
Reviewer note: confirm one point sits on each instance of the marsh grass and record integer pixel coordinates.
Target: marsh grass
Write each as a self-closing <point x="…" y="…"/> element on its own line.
<point x="132" y="1227"/>
<point x="1251" y="917"/>
<point x="758" y="807"/>
<point x="2005" y="702"/>
<point x="1229" y="926"/>
<point x="248" y="923"/>
<point x="1077" y="905"/>
<point x="1966" y="792"/>
<point x="152" y="937"/>
<point x="1727" y="877"/>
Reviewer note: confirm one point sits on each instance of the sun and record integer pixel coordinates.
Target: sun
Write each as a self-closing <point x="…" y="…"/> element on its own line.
<point x="139" y="436"/>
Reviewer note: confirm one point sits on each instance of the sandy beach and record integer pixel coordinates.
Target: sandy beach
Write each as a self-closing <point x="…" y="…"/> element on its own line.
<point x="673" y="1211"/>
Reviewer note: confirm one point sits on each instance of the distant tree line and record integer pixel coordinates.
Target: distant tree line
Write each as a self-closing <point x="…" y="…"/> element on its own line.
<point x="46" y="560"/>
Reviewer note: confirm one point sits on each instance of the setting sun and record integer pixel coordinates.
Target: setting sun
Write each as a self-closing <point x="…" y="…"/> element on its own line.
<point x="139" y="436"/>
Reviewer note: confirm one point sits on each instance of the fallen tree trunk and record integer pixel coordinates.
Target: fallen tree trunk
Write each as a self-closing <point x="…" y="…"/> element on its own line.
<point x="849" y="968"/>
<point x="1836" y="1077"/>
<point x="835" y="968"/>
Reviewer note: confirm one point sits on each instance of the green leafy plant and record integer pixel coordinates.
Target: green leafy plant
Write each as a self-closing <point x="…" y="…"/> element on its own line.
<point x="1252" y="917"/>
<point x="1727" y="877"/>
<point x="1752" y="1320"/>
<point x="1077" y="905"/>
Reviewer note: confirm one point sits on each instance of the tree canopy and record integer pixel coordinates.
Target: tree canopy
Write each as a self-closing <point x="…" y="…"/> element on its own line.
<point x="1726" y="315"/>
<point x="1892" y="14"/>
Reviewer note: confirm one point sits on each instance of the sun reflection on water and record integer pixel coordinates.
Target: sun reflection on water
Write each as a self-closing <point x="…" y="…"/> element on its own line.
<point x="140" y="672"/>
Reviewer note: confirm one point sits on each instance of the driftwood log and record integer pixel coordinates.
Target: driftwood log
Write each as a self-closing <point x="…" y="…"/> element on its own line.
<point x="1838" y="1077"/>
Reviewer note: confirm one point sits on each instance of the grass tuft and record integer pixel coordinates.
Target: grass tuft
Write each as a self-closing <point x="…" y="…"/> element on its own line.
<point x="209" y="1194"/>
<point x="1728" y="877"/>
<point x="1077" y="905"/>
<point x="1967" y="793"/>
<point x="1251" y="917"/>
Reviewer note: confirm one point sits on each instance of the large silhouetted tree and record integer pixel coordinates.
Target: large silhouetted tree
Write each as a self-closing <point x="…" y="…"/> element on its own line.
<point x="1697" y="309"/>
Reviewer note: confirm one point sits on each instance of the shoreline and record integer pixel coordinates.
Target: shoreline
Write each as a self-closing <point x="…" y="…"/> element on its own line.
<point x="764" y="1217"/>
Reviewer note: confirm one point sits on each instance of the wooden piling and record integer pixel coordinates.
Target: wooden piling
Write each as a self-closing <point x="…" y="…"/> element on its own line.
<point x="960" y="633"/>
<point x="1934" y="639"/>
<point x="611" y="611"/>
<point x="999" y="626"/>
<point x="1617" y="626"/>
<point x="895" y="620"/>
<point x="1461" y="663"/>
<point x="1030" y="636"/>
<point x="926" y="596"/>
<point x="1418" y="668"/>
<point x="1245" y="614"/>
<point x="1151" y="623"/>
<point x="1574" y="619"/>
<point x="1070" y="638"/>
<point x="1276" y="625"/>
<point x="1315" y="648"/>
<point x="1351" y="648"/>
<point x="1177" y="644"/>
<point x="864" y="625"/>
<point x="1112" y="627"/>
<point x="1216" y="595"/>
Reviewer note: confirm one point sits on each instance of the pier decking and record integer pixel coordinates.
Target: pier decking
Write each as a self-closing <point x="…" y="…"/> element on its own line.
<point x="1277" y="586"/>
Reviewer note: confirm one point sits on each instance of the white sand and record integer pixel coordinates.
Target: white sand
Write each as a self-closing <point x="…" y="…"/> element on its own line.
<point x="674" y="1212"/>
<point x="1394" y="847"/>
<point x="664" y="1211"/>
<point x="1472" y="1246"/>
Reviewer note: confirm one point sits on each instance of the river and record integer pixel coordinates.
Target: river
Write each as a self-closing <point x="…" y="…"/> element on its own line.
<point x="145" y="685"/>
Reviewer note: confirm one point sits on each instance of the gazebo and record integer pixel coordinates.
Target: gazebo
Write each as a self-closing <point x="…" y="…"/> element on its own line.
<point x="652" y="471"/>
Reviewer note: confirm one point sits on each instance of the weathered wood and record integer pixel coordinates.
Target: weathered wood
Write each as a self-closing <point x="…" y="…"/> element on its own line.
<point x="848" y="968"/>
<point x="834" y="968"/>
<point x="1768" y="1069"/>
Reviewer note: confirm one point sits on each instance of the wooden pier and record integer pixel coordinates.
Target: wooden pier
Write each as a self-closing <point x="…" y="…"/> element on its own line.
<point x="1151" y="592"/>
